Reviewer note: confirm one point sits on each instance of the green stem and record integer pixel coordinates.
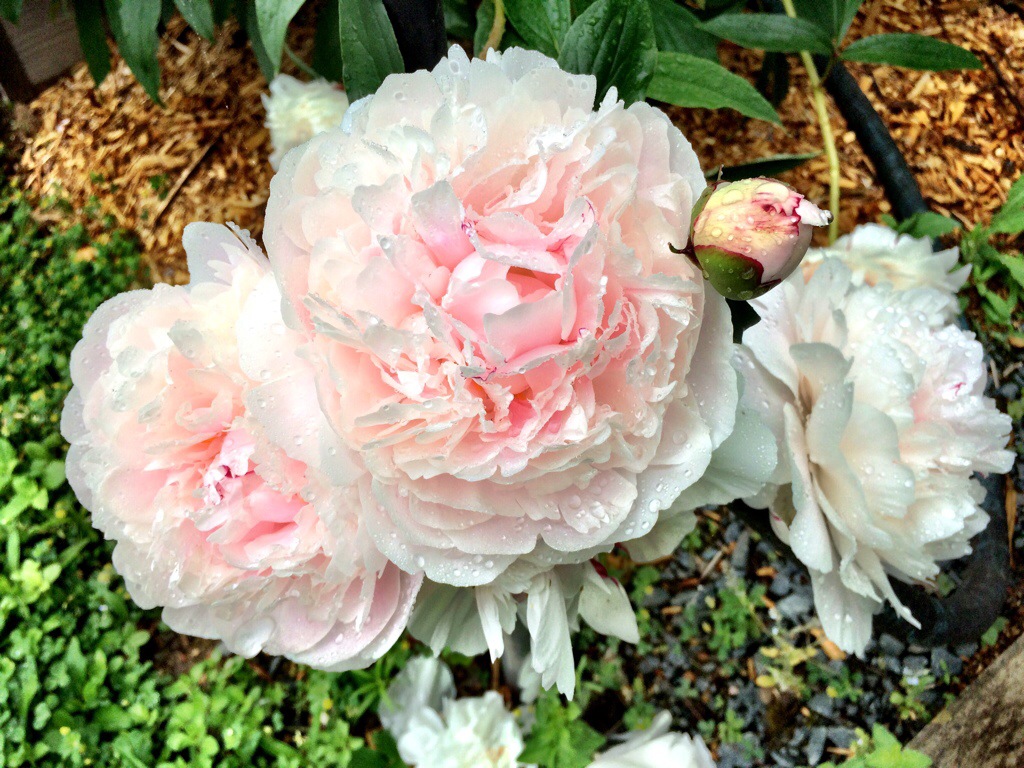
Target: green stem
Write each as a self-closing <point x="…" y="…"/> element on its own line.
<point x="827" y="136"/>
<point x="303" y="66"/>
<point x="497" y="28"/>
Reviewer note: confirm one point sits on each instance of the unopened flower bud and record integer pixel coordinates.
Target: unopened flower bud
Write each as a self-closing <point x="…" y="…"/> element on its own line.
<point x="749" y="235"/>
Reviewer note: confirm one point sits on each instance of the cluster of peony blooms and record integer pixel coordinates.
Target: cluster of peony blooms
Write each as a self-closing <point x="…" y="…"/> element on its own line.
<point x="434" y="729"/>
<point x="470" y="362"/>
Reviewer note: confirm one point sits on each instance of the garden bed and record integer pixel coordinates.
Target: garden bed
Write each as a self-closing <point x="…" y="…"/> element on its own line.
<point x="729" y="642"/>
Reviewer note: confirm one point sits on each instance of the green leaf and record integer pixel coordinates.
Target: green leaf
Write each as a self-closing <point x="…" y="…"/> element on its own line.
<point x="542" y="24"/>
<point x="770" y="32"/>
<point x="111" y="717"/>
<point x="369" y="50"/>
<point x="850" y="8"/>
<point x="614" y="41"/>
<point x="905" y="49"/>
<point x="327" y="43"/>
<point x="134" y="24"/>
<point x="766" y="166"/>
<point x="1014" y="264"/>
<point x="559" y="738"/>
<point x="11" y="10"/>
<point x="677" y="29"/>
<point x="247" y="18"/>
<point x="92" y="36"/>
<point x="834" y="16"/>
<point x="272" y="19"/>
<point x="689" y="81"/>
<point x="927" y="224"/>
<point x="458" y="19"/>
<point x="1010" y="218"/>
<point x="222" y="10"/>
<point x="484" y="22"/>
<point x="199" y="15"/>
<point x="888" y="753"/>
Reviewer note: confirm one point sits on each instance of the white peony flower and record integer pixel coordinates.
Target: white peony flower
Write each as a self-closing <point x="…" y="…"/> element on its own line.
<point x="879" y="412"/>
<point x="876" y="254"/>
<point x="424" y="683"/>
<point x="435" y="730"/>
<point x="471" y="621"/>
<point x="656" y="747"/>
<point x="298" y="111"/>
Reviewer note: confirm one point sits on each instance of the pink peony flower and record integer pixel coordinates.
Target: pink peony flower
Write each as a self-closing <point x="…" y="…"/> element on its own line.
<point x="498" y="326"/>
<point x="748" y="235"/>
<point x="879" y="411"/>
<point x="187" y="422"/>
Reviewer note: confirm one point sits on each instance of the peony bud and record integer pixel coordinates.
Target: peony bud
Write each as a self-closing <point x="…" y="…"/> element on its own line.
<point x="749" y="235"/>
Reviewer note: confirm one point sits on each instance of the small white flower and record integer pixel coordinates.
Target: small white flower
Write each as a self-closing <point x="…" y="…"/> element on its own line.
<point x="424" y="683"/>
<point x="474" y="620"/>
<point x="879" y="411"/>
<point x="298" y="111"/>
<point x="876" y="254"/>
<point x="435" y="730"/>
<point x="474" y="732"/>
<point x="656" y="747"/>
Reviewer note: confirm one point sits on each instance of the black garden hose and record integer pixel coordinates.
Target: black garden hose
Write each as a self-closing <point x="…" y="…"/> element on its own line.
<point x="419" y="29"/>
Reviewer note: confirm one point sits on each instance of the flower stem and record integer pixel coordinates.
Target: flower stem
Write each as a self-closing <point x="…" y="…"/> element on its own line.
<point x="497" y="28"/>
<point x="827" y="136"/>
<point x="298" y="62"/>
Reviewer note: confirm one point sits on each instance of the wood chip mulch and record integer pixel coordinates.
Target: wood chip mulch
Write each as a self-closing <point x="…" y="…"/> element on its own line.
<point x="203" y="157"/>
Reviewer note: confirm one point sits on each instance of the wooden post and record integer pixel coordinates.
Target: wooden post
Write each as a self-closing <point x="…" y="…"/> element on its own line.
<point x="984" y="727"/>
<point x="37" y="50"/>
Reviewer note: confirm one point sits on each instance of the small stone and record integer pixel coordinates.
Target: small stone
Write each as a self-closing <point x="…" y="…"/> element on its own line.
<point x="945" y="663"/>
<point x="842" y="737"/>
<point x="794" y="606"/>
<point x="816" y="745"/>
<point x="781" y="585"/>
<point x="890" y="646"/>
<point x="822" y="704"/>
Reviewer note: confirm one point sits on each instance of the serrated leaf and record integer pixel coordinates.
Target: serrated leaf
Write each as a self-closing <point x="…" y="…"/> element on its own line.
<point x="689" y="81"/>
<point x="134" y="24"/>
<point x="369" y="50"/>
<point x="888" y="753"/>
<point x="199" y="15"/>
<point x="906" y="49"/>
<point x="678" y="29"/>
<point x="542" y="24"/>
<point x="766" y="166"/>
<point x="770" y="32"/>
<point x="614" y="41"/>
<point x="92" y="36"/>
<point x="1010" y="218"/>
<point x="272" y="20"/>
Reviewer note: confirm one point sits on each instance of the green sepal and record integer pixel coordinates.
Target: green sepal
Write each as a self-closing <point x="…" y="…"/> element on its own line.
<point x="733" y="275"/>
